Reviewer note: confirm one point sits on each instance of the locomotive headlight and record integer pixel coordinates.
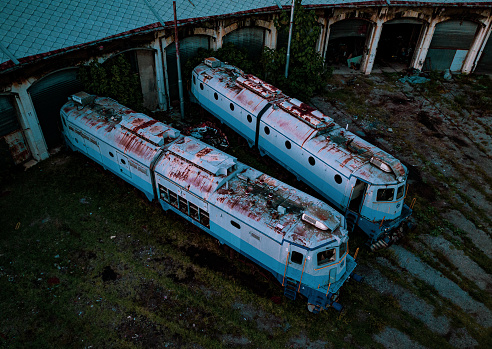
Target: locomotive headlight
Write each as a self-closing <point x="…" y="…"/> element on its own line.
<point x="400" y="179"/>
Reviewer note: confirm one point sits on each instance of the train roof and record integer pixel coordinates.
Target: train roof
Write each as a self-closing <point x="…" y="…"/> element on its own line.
<point x="306" y="126"/>
<point x="266" y="204"/>
<point x="196" y="166"/>
<point x="287" y="212"/>
<point x="134" y="134"/>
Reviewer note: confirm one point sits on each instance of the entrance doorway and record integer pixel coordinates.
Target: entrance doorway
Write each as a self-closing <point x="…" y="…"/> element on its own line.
<point x="397" y="44"/>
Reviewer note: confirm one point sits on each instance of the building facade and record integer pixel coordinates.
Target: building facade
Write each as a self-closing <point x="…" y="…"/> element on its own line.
<point x="38" y="67"/>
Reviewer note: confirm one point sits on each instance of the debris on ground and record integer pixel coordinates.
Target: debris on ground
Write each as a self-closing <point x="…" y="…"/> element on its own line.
<point x="209" y="133"/>
<point x="414" y="79"/>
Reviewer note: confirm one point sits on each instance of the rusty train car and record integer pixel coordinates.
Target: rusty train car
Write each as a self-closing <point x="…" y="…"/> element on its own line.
<point x="300" y="240"/>
<point x="362" y="181"/>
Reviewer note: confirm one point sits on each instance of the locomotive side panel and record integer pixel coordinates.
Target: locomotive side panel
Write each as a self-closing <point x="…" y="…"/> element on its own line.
<point x="308" y="168"/>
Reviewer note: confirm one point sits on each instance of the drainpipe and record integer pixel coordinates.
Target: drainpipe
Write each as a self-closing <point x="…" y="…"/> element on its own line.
<point x="290" y="38"/>
<point x="180" y="82"/>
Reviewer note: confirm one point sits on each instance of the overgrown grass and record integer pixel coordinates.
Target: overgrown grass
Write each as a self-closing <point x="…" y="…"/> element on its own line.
<point x="86" y="260"/>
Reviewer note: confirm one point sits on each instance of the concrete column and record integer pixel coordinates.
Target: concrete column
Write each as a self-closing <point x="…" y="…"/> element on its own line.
<point x="159" y="74"/>
<point x="30" y="123"/>
<point x="322" y="34"/>
<point x="271" y="36"/>
<point x="327" y="37"/>
<point x="219" y="34"/>
<point x="477" y="47"/>
<point x="370" y="56"/>
<point x="423" y="45"/>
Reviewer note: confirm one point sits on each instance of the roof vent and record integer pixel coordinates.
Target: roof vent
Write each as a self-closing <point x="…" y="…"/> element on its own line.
<point x="82" y="98"/>
<point x="212" y="62"/>
<point x="315" y="222"/>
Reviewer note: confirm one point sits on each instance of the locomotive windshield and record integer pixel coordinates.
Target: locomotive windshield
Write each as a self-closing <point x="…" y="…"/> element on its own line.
<point x="343" y="248"/>
<point x="400" y="192"/>
<point x="386" y="194"/>
<point x="327" y="256"/>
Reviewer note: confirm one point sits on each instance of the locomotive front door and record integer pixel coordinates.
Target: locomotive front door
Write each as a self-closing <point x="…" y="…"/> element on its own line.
<point x="357" y="197"/>
<point x="124" y="165"/>
<point x="296" y="262"/>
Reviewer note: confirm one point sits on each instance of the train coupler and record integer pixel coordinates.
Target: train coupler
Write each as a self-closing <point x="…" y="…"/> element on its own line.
<point x="357" y="277"/>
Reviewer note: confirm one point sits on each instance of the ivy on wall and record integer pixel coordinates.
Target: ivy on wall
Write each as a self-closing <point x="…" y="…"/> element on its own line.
<point x="307" y="74"/>
<point x="113" y="78"/>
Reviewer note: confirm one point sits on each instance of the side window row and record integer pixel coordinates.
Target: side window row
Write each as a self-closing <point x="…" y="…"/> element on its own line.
<point x="188" y="208"/>
<point x="311" y="159"/>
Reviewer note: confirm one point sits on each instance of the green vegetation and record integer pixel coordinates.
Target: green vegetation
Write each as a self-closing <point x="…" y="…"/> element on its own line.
<point x="307" y="75"/>
<point x="113" y="78"/>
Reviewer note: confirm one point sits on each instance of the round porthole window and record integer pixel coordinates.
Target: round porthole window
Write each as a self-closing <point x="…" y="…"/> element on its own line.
<point x="267" y="130"/>
<point x="216" y="96"/>
<point x="288" y="145"/>
<point x="231" y="106"/>
<point x="311" y="161"/>
<point x="111" y="154"/>
<point x="250" y="119"/>
<point x="338" y="179"/>
<point x="201" y="86"/>
<point x="123" y="162"/>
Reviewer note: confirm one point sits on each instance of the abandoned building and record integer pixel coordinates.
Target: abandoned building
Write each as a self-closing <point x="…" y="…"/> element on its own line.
<point x="43" y="43"/>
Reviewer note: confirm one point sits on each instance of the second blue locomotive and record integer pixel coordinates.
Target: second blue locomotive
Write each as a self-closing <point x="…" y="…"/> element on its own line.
<point x="364" y="182"/>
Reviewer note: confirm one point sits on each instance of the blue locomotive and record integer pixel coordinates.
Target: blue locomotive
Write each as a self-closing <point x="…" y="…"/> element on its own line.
<point x="365" y="183"/>
<point x="302" y="241"/>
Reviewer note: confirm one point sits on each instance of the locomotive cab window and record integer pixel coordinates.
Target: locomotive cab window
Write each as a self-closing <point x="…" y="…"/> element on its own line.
<point x="327" y="256"/>
<point x="183" y="205"/>
<point x="385" y="194"/>
<point x="173" y="198"/>
<point x="163" y="193"/>
<point x="296" y="257"/>
<point x="343" y="249"/>
<point x="193" y="211"/>
<point x="204" y="219"/>
<point x="400" y="191"/>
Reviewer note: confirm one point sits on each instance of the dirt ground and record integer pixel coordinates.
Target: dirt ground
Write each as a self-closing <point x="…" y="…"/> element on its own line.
<point x="441" y="131"/>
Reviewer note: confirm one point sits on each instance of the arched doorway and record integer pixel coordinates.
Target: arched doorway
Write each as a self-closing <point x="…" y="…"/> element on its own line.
<point x="251" y="39"/>
<point x="188" y="48"/>
<point x="142" y="63"/>
<point x="346" y="42"/>
<point x="48" y="95"/>
<point x="450" y="44"/>
<point x="397" y="43"/>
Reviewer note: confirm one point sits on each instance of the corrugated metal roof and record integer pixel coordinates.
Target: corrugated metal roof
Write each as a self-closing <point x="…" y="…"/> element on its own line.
<point x="29" y="28"/>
